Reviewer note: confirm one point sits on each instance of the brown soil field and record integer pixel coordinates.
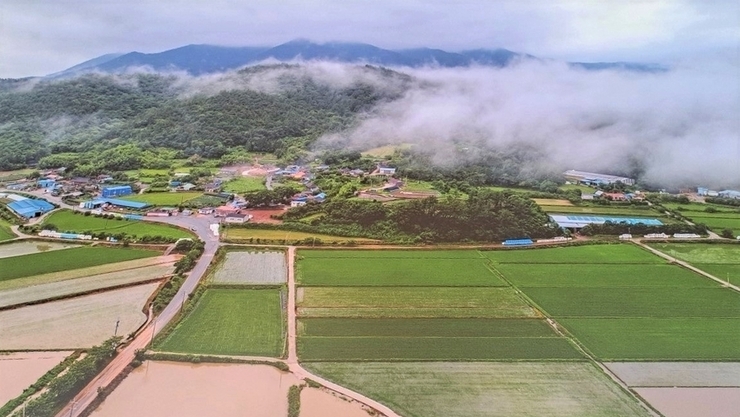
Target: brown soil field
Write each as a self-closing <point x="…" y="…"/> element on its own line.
<point x="87" y="272"/>
<point x="82" y="285"/>
<point x="195" y="390"/>
<point x="263" y="215"/>
<point x="551" y="202"/>
<point x="693" y="402"/>
<point x="79" y="322"/>
<point x="322" y="403"/>
<point x="19" y="370"/>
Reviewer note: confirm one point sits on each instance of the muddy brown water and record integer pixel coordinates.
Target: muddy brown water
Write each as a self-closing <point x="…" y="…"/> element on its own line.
<point x="320" y="403"/>
<point x="693" y="402"/>
<point x="194" y="390"/>
<point x="19" y="370"/>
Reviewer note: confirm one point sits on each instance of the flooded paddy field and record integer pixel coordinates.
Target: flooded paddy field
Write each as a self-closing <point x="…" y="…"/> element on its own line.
<point x="321" y="403"/>
<point x="78" y="322"/>
<point x="194" y="390"/>
<point x="81" y="285"/>
<point x="19" y="370"/>
<point x="693" y="402"/>
<point x="253" y="268"/>
<point x="31" y="246"/>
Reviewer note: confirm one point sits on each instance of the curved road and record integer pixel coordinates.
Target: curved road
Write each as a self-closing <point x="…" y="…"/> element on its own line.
<point x="127" y="354"/>
<point x="201" y="226"/>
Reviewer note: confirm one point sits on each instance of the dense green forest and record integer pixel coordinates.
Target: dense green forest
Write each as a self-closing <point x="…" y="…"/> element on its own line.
<point x="97" y="113"/>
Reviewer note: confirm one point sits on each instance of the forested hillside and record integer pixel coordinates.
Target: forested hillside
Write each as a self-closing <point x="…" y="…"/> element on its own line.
<point x="101" y="112"/>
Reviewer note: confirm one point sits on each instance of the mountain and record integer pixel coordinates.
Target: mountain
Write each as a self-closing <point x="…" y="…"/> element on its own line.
<point x="203" y="59"/>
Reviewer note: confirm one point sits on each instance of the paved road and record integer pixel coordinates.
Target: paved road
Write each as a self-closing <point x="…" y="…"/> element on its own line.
<point x="126" y="355"/>
<point x="201" y="226"/>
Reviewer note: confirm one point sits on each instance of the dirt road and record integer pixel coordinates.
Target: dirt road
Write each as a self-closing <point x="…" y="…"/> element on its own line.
<point x="685" y="265"/>
<point x="296" y="367"/>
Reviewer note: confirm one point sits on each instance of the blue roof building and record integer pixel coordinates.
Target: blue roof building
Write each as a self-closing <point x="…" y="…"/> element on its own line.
<point x="45" y="183"/>
<point x="116" y="191"/>
<point x="29" y="208"/>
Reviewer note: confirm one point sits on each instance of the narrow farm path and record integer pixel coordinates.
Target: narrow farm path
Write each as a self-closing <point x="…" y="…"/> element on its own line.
<point x="295" y="366"/>
<point x="684" y="264"/>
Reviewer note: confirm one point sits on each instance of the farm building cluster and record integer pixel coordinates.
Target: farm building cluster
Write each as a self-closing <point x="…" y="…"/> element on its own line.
<point x="26" y="207"/>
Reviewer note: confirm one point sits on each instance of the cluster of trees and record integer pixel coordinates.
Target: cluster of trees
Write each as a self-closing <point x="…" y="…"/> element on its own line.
<point x="192" y="250"/>
<point x="262" y="198"/>
<point x="485" y="216"/>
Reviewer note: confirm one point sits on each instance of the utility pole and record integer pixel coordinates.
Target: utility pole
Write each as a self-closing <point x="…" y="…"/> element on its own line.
<point x="118" y="321"/>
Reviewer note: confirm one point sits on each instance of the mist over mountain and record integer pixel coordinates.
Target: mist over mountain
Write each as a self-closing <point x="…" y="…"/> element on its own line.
<point x="205" y="59"/>
<point x="511" y="117"/>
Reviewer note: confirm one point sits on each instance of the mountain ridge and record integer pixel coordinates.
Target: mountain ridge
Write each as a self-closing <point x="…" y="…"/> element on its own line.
<point x="199" y="59"/>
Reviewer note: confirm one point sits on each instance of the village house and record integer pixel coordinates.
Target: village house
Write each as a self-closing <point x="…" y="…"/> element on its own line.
<point x="237" y="218"/>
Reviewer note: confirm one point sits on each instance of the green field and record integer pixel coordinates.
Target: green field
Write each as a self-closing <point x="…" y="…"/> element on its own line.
<point x="722" y="217"/>
<point x="171" y="199"/>
<point x="718" y="224"/>
<point x="724" y="272"/>
<point x="395" y="272"/>
<point x="240" y="233"/>
<point x="65" y="220"/>
<point x="595" y="275"/>
<point x="430" y="339"/>
<point x="391" y="254"/>
<point x="487" y="389"/>
<point x="63" y="260"/>
<point x="658" y="338"/>
<point x="701" y="253"/>
<point x="407" y="302"/>
<point x="418" y="186"/>
<point x="5" y="232"/>
<point x="231" y="322"/>
<point x="244" y="184"/>
<point x="433" y="348"/>
<point x="637" y="302"/>
<point x="587" y="254"/>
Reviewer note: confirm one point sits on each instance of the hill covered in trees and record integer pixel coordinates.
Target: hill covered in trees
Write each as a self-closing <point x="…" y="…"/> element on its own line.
<point x="278" y="109"/>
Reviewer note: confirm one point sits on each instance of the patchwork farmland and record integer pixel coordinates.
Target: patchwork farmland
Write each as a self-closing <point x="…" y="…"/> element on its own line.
<point x="61" y="296"/>
<point x="406" y="312"/>
<point x="639" y="309"/>
<point x="228" y="320"/>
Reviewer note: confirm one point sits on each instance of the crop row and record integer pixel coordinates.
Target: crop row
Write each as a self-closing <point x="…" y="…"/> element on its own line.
<point x="396" y="272"/>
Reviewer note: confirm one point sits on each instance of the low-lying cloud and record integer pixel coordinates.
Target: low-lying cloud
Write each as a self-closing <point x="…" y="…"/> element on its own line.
<point x="681" y="126"/>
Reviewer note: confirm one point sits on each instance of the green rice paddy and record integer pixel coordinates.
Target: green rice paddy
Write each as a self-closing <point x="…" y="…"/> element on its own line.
<point x="66" y="220"/>
<point x="231" y="322"/>
<point x="64" y="260"/>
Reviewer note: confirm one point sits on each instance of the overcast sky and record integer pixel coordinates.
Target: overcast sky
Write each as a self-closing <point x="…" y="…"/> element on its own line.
<point x="39" y="37"/>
